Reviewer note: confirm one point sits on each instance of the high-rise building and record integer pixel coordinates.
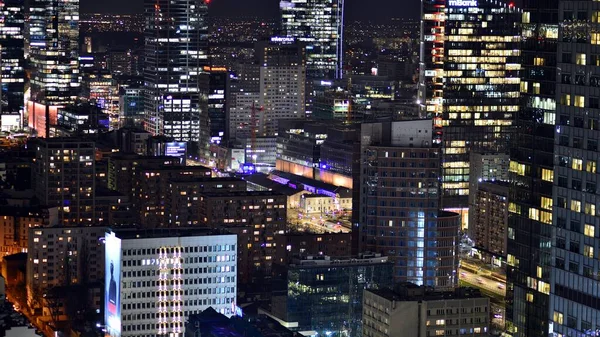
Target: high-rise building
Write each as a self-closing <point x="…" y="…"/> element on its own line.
<point x="282" y="84"/>
<point x="575" y="206"/>
<point x="481" y="88"/>
<point x="319" y="24"/>
<point x="61" y="259"/>
<point x="64" y="174"/>
<point x="431" y="63"/>
<point x="155" y="279"/>
<point x="531" y="173"/>
<point x="53" y="45"/>
<point x="217" y="104"/>
<point x="176" y="85"/>
<point x="399" y="204"/>
<point x="13" y="57"/>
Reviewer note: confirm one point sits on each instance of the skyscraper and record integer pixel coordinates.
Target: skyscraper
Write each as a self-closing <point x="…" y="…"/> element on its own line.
<point x="431" y="63"/>
<point x="319" y="24"/>
<point x="13" y="56"/>
<point x="575" y="298"/>
<point x="480" y="91"/>
<point x="53" y="44"/>
<point x="531" y="174"/>
<point x="176" y="86"/>
<point x="399" y="204"/>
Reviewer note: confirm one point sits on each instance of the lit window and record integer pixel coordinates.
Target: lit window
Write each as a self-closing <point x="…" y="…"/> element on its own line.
<point x="589" y="230"/>
<point x="590" y="209"/>
<point x="591" y="166"/>
<point x="536" y="88"/>
<point x="596" y="17"/>
<point x="558" y="317"/>
<point x="579" y="101"/>
<point x="547" y="175"/>
<point x="576" y="205"/>
<point x="588" y="251"/>
<point x="580" y="59"/>
<point x="440" y="322"/>
<point x="530" y="297"/>
<point x="539" y="61"/>
<point x="595" y="38"/>
<point x="577" y="164"/>
<point x="546" y="203"/>
<point x="565" y="99"/>
<point x="534" y="214"/>
<point x="544" y="287"/>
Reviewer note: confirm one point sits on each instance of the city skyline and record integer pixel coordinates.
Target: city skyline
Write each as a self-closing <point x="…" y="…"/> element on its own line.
<point x="355" y="9"/>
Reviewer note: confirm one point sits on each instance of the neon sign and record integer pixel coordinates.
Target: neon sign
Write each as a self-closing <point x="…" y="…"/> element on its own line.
<point x="462" y="3"/>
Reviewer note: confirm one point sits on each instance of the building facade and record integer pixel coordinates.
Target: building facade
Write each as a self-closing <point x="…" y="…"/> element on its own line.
<point x="319" y="24"/>
<point x="64" y="174"/>
<point x="481" y="88"/>
<point x="399" y="204"/>
<point x="574" y="297"/>
<point x="324" y="296"/>
<point x="52" y="37"/>
<point x="162" y="277"/>
<point x="176" y="85"/>
<point x="415" y="311"/>
<point x="531" y="174"/>
<point x="12" y="37"/>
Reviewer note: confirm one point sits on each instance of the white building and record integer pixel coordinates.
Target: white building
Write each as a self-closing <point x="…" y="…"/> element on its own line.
<point x="156" y="279"/>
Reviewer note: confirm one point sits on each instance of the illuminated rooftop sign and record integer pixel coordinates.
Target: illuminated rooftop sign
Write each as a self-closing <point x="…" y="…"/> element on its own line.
<point x="462" y="3"/>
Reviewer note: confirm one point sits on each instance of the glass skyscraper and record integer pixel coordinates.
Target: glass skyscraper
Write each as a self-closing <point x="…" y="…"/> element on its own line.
<point x="575" y="282"/>
<point x="481" y="88"/>
<point x="176" y="85"/>
<point x="13" y="56"/>
<point x="530" y="223"/>
<point x="53" y="43"/>
<point x="319" y="24"/>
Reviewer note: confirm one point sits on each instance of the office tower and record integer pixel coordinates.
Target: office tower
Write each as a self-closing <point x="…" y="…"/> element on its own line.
<point x="62" y="264"/>
<point x="409" y="310"/>
<point x="336" y="309"/>
<point x="53" y="45"/>
<point x="488" y="219"/>
<point x="481" y="89"/>
<point x="399" y="197"/>
<point x="319" y="24"/>
<point x="431" y="62"/>
<point x="217" y="104"/>
<point x="282" y="84"/>
<point x="64" y="174"/>
<point x="12" y="58"/>
<point x="155" y="279"/>
<point x="531" y="175"/>
<point x="176" y="85"/>
<point x="131" y="106"/>
<point x="574" y="297"/>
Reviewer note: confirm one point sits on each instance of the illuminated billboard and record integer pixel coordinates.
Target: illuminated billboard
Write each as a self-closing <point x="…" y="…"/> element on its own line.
<point x="112" y="285"/>
<point x="175" y="149"/>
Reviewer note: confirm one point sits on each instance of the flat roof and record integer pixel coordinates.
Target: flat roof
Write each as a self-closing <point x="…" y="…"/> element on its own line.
<point x="137" y="233"/>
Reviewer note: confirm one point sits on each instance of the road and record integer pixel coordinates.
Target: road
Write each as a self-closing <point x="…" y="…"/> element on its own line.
<point x="483" y="282"/>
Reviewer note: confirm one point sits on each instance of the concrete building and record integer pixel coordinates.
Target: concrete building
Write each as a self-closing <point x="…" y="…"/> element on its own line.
<point x="64" y="173"/>
<point x="411" y="311"/>
<point x="15" y="222"/>
<point x="61" y="261"/>
<point x="295" y="244"/>
<point x="257" y="217"/>
<point x="489" y="226"/>
<point x="161" y="277"/>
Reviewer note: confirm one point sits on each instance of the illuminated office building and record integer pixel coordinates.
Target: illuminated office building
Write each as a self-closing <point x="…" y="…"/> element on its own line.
<point x="531" y="174"/>
<point x="53" y="37"/>
<point x="431" y="63"/>
<point x="12" y="58"/>
<point x="176" y="92"/>
<point x="574" y="282"/>
<point x="319" y="24"/>
<point x="481" y="88"/>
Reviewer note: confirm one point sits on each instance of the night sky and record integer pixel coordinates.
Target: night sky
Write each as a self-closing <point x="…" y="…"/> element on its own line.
<point x="355" y="9"/>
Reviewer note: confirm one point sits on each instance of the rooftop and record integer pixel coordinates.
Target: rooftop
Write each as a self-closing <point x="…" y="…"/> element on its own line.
<point x="412" y="292"/>
<point x="136" y="233"/>
<point x="326" y="261"/>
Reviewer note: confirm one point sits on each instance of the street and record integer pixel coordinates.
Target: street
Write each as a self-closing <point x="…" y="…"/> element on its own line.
<point x="483" y="282"/>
